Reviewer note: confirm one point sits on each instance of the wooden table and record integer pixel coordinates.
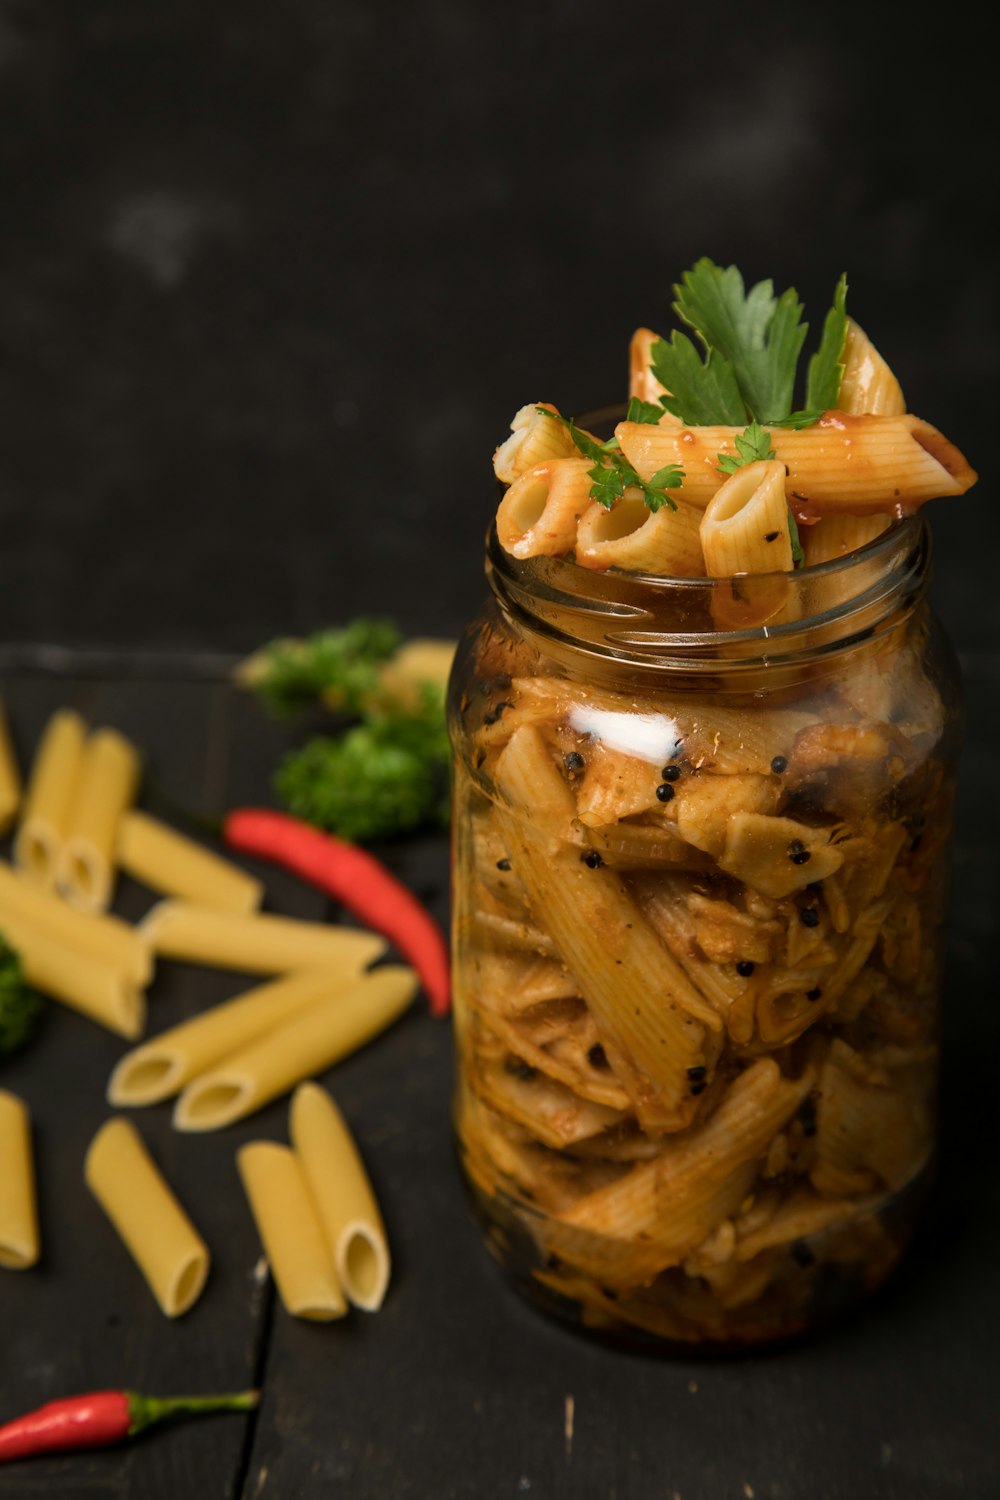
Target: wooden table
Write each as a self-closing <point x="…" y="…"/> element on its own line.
<point x="455" y="1388"/>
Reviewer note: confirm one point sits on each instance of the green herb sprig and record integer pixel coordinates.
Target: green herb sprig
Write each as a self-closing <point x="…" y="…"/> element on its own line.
<point x="612" y="473"/>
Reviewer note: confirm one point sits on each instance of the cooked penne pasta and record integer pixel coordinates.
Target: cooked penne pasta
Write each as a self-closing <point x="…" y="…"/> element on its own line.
<point x="640" y="540"/>
<point x="99" y="989"/>
<point x="19" y="1240"/>
<point x="845" y="463"/>
<point x="167" y="862"/>
<point x="153" y="1226"/>
<point x="835" y="536"/>
<point x="534" y="439"/>
<point x="642" y="383"/>
<point x="539" y="514"/>
<point x="254" y="944"/>
<point x="107" y="784"/>
<point x="290" y="1231"/>
<point x="162" y="1066"/>
<point x="45" y="811"/>
<point x="307" y="1044"/>
<point x="867" y="384"/>
<point x="342" y="1196"/>
<point x="744" y="529"/>
<point x="10" y="776"/>
<point x="104" y="937"/>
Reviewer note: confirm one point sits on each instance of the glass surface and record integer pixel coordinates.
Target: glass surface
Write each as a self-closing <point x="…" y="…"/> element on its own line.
<point x="699" y="886"/>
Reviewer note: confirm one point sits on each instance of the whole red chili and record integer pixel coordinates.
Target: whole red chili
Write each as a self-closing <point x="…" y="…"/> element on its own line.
<point x="356" y="879"/>
<point x="103" y="1418"/>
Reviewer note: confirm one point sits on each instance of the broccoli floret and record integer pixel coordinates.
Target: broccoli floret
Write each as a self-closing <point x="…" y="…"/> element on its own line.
<point x="386" y="776"/>
<point x="19" y="1005"/>
<point x="337" y="667"/>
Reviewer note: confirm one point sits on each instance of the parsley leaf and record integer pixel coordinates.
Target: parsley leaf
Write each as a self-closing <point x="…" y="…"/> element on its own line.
<point x="799" y="419"/>
<point x="613" y="474"/>
<point x="701" y="394"/>
<point x="643" y="411"/>
<point x="798" y="556"/>
<point x="826" y="369"/>
<point x="751" y="446"/>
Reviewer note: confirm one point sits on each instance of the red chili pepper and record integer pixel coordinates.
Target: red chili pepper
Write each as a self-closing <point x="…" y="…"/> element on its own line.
<point x="102" y="1418"/>
<point x="355" y="878"/>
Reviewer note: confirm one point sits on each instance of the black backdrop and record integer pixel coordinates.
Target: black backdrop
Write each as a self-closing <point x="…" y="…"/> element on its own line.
<point x="273" y="278"/>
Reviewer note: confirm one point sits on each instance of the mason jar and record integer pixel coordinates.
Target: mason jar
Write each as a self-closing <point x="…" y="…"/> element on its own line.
<point x="699" y="885"/>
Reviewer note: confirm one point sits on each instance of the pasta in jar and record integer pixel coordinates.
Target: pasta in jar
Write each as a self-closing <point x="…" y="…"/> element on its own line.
<point x="701" y="830"/>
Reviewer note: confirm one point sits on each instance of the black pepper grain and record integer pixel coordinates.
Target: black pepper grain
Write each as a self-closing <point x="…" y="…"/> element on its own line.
<point x="745" y="968"/>
<point x="814" y="993"/>
<point x="671" y="773"/>
<point x="494" y="713"/>
<point x="809" y="916"/>
<point x="698" y="1088"/>
<point x="665" y="792"/>
<point x="592" y="859"/>
<point x="574" y="761"/>
<point x="779" y="765"/>
<point x="697" y="1073"/>
<point x="503" y="864"/>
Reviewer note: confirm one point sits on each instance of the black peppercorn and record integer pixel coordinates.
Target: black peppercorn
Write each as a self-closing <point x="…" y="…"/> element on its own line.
<point x="671" y="773"/>
<point x="779" y="765"/>
<point x="814" y="994"/>
<point x="665" y="791"/>
<point x="809" y="916"/>
<point x="574" y="761"/>
<point x="592" y="859"/>
<point x="745" y="968"/>
<point x="697" y="1073"/>
<point x="698" y="1088"/>
<point x="503" y="864"/>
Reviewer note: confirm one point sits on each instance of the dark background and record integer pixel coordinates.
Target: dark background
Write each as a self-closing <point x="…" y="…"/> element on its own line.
<point x="273" y="279"/>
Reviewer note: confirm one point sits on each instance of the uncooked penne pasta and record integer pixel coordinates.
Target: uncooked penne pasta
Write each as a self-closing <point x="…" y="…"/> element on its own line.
<point x="633" y="537"/>
<point x="108" y="781"/>
<point x="255" y="944"/>
<point x="45" y="811"/>
<point x="290" y="1231"/>
<point x="162" y="1066"/>
<point x="10" y="776"/>
<point x="539" y="514"/>
<point x="167" y="862"/>
<point x="19" y="1242"/>
<point x="307" y="1044"/>
<point x="153" y="1226"/>
<point x="98" y="989"/>
<point x="844" y="463"/>
<point x="342" y="1195"/>
<point x="104" y="937"/>
<point x="534" y="439"/>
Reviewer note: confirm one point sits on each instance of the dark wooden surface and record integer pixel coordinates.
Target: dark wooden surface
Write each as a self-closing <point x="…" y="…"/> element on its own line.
<point x="455" y="1389"/>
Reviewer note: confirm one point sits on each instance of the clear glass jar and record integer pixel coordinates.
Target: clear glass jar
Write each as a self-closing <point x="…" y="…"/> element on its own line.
<point x="699" y="885"/>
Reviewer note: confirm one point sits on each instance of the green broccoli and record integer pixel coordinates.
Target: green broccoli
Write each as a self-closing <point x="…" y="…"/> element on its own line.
<point x="19" y="1005"/>
<point x="388" y="775"/>
<point x="336" y="667"/>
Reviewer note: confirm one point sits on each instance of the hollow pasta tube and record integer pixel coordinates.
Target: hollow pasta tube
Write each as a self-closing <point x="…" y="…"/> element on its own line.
<point x="162" y="1066"/>
<point x="167" y="862"/>
<point x="534" y="439"/>
<point x="153" y="1226"/>
<point x="47" y="801"/>
<point x="104" y="937"/>
<point x="539" y="514"/>
<point x="98" y="989"/>
<point x="255" y="944"/>
<point x="640" y="540"/>
<point x="108" y="781"/>
<point x="19" y="1241"/>
<point x="745" y="529"/>
<point x="309" y="1043"/>
<point x="290" y="1232"/>
<point x="10" y="776"/>
<point x="342" y="1195"/>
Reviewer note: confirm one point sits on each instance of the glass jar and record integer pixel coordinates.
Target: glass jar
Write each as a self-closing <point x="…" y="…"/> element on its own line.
<point x="699" y="884"/>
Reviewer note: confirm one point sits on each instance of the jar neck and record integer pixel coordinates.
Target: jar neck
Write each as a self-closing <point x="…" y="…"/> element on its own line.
<point x="604" y="624"/>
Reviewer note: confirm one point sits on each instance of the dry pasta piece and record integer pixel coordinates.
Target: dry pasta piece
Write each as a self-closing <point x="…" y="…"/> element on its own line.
<point x="342" y="1196"/>
<point x="778" y="856"/>
<point x="309" y="1043"/>
<point x="174" y="865"/>
<point x="539" y="514"/>
<point x="48" y="799"/>
<point x="156" y="1231"/>
<point x="162" y="1066"/>
<point x="643" y="1003"/>
<point x="106" y="788"/>
<point x="10" y="776"/>
<point x="253" y="944"/>
<point x="105" y="937"/>
<point x="102" y="991"/>
<point x="849" y="463"/>
<point x="640" y="540"/>
<point x="534" y="439"/>
<point x="290" y="1231"/>
<point x="19" y="1240"/>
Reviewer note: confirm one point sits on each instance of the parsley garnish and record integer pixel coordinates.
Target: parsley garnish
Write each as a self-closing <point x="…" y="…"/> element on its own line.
<point x="751" y="446"/>
<point x="798" y="556"/>
<point x="752" y="342"/>
<point x="613" y="474"/>
<point x="643" y="411"/>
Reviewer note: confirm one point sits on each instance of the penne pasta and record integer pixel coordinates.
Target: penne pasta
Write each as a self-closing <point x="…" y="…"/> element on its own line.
<point x="845" y="463"/>
<point x="534" y="440"/>
<point x="153" y="1226"/>
<point x="290" y="1231"/>
<point x="307" y="1044"/>
<point x="167" y="862"/>
<point x="867" y="384"/>
<point x="539" y="514"/>
<point x="640" y="540"/>
<point x="10" y="776"/>
<point x="342" y="1196"/>
<point x="107" y="938"/>
<point x="19" y="1240"/>
<point x="642" y="383"/>
<point x="744" y="529"/>
<point x="106" y="787"/>
<point x="162" y="1066"/>
<point x="254" y="944"/>
<point x="99" y="989"/>
<point x="48" y="799"/>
